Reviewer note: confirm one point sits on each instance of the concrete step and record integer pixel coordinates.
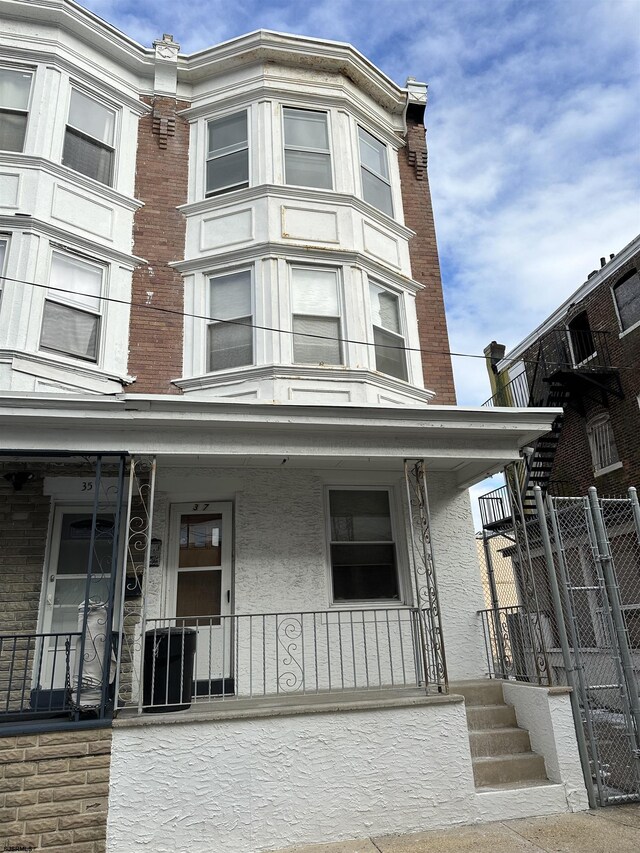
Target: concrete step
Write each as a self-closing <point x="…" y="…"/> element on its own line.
<point x="487" y="692"/>
<point x="483" y="717"/>
<point x="499" y="742"/>
<point x="504" y="769"/>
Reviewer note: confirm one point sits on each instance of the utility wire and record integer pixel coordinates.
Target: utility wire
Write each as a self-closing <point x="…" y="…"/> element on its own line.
<point x="174" y="312"/>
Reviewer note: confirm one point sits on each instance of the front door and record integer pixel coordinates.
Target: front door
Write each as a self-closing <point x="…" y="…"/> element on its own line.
<point x="66" y="589"/>
<point x="201" y="588"/>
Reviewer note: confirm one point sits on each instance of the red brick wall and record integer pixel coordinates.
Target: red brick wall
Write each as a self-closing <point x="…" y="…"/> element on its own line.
<point x="573" y="463"/>
<point x="155" y="338"/>
<point x="425" y="265"/>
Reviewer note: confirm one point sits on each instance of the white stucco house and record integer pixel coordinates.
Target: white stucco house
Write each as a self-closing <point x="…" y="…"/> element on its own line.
<point x="237" y="539"/>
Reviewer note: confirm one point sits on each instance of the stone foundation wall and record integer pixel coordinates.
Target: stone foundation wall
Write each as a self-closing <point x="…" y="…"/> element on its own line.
<point x="54" y="790"/>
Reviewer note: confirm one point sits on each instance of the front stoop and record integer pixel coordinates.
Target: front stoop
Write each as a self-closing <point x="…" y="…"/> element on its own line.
<point x="500" y="751"/>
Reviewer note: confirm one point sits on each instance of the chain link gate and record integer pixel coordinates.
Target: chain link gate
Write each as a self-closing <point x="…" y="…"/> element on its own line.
<point x="583" y="556"/>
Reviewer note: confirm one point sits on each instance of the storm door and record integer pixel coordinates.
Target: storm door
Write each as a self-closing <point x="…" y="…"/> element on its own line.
<point x="201" y="589"/>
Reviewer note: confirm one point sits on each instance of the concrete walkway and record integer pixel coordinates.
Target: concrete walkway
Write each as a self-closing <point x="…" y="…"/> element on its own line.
<point x="615" y="829"/>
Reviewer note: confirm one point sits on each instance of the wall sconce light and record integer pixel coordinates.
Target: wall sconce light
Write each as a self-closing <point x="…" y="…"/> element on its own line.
<point x="18" y="479"/>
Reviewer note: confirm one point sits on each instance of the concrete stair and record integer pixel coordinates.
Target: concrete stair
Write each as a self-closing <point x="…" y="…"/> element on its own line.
<point x="500" y="751"/>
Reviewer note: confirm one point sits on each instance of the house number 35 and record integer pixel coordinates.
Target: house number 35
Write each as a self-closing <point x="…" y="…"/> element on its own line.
<point x="87" y="486"/>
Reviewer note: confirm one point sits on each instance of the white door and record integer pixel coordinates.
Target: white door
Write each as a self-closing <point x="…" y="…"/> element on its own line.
<point x="66" y="586"/>
<point x="200" y="568"/>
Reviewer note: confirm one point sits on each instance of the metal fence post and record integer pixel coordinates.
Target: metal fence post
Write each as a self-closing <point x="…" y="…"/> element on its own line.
<point x="564" y="644"/>
<point x="606" y="562"/>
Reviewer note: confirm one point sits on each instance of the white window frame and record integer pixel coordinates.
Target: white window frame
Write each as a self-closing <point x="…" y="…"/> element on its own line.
<point x="602" y="444"/>
<point x="340" y="317"/>
<point x="221" y="273"/>
<point x="4" y="240"/>
<point x="58" y="297"/>
<point x="624" y="329"/>
<point x="381" y="178"/>
<point x="285" y="147"/>
<point x="396" y="528"/>
<point x="32" y="72"/>
<point x="98" y="142"/>
<point x="402" y="336"/>
<point x="207" y="157"/>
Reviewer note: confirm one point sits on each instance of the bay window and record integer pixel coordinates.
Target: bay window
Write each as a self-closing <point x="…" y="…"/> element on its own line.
<point x="362" y="546"/>
<point x="230" y="344"/>
<point x="89" y="138"/>
<point x="71" y="319"/>
<point x="316" y="316"/>
<point x="307" y="157"/>
<point x="227" y="154"/>
<point x="390" y="356"/>
<point x="374" y="172"/>
<point x="15" y="89"/>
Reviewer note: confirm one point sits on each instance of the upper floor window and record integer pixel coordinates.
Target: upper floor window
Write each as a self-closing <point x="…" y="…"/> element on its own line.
<point x="307" y="157"/>
<point x="316" y="316"/>
<point x="602" y="443"/>
<point x="387" y="332"/>
<point x="627" y="296"/>
<point x="362" y="546"/>
<point x="230" y="344"/>
<point x="374" y="171"/>
<point x="15" y="88"/>
<point x="89" y="138"/>
<point x="227" y="154"/>
<point x="71" y="320"/>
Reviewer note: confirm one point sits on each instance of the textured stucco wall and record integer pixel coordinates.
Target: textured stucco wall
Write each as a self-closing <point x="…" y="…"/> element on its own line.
<point x="241" y="786"/>
<point x="546" y="714"/>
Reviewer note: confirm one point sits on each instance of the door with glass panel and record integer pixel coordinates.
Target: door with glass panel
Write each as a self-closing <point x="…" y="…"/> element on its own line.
<point x="73" y="553"/>
<point x="201" y="589"/>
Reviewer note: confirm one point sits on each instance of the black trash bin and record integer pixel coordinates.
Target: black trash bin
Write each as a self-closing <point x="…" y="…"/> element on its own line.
<point x="168" y="669"/>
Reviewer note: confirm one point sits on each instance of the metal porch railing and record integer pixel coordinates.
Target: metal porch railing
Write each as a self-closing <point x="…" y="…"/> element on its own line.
<point x="509" y="643"/>
<point x="271" y="655"/>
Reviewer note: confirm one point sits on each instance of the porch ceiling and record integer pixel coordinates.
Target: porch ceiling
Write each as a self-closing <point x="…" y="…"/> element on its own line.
<point x="469" y="442"/>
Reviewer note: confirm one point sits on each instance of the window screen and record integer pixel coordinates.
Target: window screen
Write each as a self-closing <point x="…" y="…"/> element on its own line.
<point x="230" y="344"/>
<point x="316" y="316"/>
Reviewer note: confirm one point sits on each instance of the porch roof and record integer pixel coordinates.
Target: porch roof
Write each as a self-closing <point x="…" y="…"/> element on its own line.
<point x="470" y="442"/>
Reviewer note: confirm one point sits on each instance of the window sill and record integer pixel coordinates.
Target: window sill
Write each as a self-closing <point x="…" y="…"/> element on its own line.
<point x="630" y="329"/>
<point x="613" y="467"/>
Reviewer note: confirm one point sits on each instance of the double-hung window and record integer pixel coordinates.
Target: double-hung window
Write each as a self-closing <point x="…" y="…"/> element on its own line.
<point x="389" y="342"/>
<point x="89" y="138"/>
<point x="71" y="321"/>
<point x="627" y="296"/>
<point x="227" y="154"/>
<point x="604" y="452"/>
<point x="316" y="316"/>
<point x="307" y="157"/>
<point x="15" y="88"/>
<point x="3" y="255"/>
<point x="374" y="172"/>
<point x="363" y="550"/>
<point x="230" y="343"/>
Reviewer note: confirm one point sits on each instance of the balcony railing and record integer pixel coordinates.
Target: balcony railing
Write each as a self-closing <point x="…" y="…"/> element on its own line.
<point x="35" y="675"/>
<point x="271" y="655"/>
<point x="495" y="507"/>
<point x="514" y="393"/>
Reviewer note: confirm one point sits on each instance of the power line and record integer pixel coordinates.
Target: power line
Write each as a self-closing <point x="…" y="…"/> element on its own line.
<point x="174" y="312"/>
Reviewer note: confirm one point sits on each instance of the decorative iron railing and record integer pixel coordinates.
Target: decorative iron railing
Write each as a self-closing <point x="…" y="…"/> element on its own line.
<point x="509" y="643"/>
<point x="269" y="655"/>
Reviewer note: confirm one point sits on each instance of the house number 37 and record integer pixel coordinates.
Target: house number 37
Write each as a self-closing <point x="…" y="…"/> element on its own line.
<point x="197" y="507"/>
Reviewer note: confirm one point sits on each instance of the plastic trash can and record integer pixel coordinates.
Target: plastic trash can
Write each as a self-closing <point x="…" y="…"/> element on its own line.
<point x="168" y="669"/>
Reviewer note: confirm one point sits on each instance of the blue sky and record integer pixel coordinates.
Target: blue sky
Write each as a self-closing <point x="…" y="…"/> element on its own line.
<point x="533" y="129"/>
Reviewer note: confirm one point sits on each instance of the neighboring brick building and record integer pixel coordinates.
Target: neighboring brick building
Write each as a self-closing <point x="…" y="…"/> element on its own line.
<point x="225" y="385"/>
<point x="586" y="355"/>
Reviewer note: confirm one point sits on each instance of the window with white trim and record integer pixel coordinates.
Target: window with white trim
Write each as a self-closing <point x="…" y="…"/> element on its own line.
<point x="604" y="452"/>
<point x="89" y="138"/>
<point x="389" y="341"/>
<point x="374" y="172"/>
<point x="627" y="295"/>
<point x="362" y="546"/>
<point x="315" y="300"/>
<point x="230" y="343"/>
<point x="227" y="154"/>
<point x="307" y="156"/>
<point x="15" y="89"/>
<point x="72" y="309"/>
<point x="3" y="254"/>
